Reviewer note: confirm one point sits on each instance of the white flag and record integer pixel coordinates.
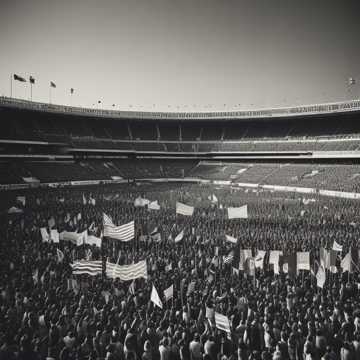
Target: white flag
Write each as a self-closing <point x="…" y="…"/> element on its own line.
<point x="155" y="298"/>
<point x="180" y="236"/>
<point x="54" y="235"/>
<point x="154" y="205"/>
<point x="183" y="209"/>
<point x="321" y="277"/>
<point x="259" y="259"/>
<point x="169" y="292"/>
<point x="238" y="213"/>
<point x="337" y="247"/>
<point x="222" y="322"/>
<point x="44" y="234"/>
<point x="231" y="239"/>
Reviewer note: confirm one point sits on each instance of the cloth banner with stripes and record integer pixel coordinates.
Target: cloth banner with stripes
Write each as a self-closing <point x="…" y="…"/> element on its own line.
<point x="222" y="322"/>
<point x="127" y="272"/>
<point x="183" y="209"/>
<point x="124" y="232"/>
<point x="83" y="267"/>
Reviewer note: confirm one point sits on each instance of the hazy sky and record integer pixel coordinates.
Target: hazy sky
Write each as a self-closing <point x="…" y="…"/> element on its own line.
<point x="181" y="55"/>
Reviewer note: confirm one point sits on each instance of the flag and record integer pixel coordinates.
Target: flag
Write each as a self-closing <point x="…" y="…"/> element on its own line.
<point x="229" y="258"/>
<point x="60" y="255"/>
<point x="231" y="239"/>
<point x="107" y="220"/>
<point x="124" y="232"/>
<point x="155" y="297"/>
<point x="154" y="205"/>
<point x="222" y="322"/>
<point x="346" y="263"/>
<point x="244" y="255"/>
<point x="44" y="234"/>
<point x="91" y="268"/>
<point x="337" y="247"/>
<point x="321" y="277"/>
<point x="127" y="272"/>
<point x="302" y="260"/>
<point x="179" y="237"/>
<point x="32" y="80"/>
<point x="19" y="78"/>
<point x="54" y="234"/>
<point x="169" y="292"/>
<point x="213" y="198"/>
<point x="71" y="91"/>
<point x="238" y="213"/>
<point x="52" y="84"/>
<point x="351" y="81"/>
<point x="132" y="288"/>
<point x="183" y="209"/>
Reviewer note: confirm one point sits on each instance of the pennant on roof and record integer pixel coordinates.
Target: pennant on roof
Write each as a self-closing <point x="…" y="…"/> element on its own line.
<point x="155" y="297"/>
<point x="238" y="212"/>
<point x="31" y="80"/>
<point x="337" y="247"/>
<point x="169" y="293"/>
<point x="52" y="84"/>
<point x="19" y="78"/>
<point x="183" y="209"/>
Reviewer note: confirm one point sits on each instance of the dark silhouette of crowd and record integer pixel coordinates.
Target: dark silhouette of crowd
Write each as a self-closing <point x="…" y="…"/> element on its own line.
<point x="48" y="313"/>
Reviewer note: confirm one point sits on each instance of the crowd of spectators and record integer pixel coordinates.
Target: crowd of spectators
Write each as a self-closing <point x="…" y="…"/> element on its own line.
<point x="47" y="313"/>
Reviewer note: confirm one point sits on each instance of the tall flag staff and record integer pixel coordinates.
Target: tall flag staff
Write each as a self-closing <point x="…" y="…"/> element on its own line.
<point x="52" y="85"/>
<point x="32" y="82"/>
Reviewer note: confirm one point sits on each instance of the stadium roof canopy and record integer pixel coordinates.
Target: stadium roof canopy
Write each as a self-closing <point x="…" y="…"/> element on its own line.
<point x="304" y="110"/>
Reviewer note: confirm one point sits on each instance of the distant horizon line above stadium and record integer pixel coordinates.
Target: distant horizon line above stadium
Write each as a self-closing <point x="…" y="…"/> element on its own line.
<point x="308" y="109"/>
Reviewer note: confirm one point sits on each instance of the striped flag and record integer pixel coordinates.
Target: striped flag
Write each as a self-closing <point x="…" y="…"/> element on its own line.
<point x="127" y="272"/>
<point x="91" y="268"/>
<point x="155" y="298"/>
<point x="183" y="209"/>
<point x="169" y="292"/>
<point x="222" y="322"/>
<point x="124" y="232"/>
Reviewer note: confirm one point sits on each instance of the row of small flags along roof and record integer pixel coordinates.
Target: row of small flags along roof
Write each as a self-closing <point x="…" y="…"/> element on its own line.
<point x="17" y="77"/>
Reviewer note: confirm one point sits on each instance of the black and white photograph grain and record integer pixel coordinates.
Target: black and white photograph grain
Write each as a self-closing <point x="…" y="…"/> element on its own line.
<point x="179" y="180"/>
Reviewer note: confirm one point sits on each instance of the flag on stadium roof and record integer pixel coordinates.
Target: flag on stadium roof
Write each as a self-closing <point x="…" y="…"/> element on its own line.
<point x="238" y="212"/>
<point x="124" y="232"/>
<point x="52" y="84"/>
<point x="222" y="322"/>
<point x="155" y="297"/>
<point x="183" y="209"/>
<point x="127" y="272"/>
<point x="19" y="78"/>
<point x="337" y="247"/>
<point x="31" y="80"/>
<point x="231" y="239"/>
<point x="91" y="268"/>
<point x="71" y="91"/>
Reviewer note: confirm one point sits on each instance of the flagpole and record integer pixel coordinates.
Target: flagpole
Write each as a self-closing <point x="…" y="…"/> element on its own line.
<point x="50" y="94"/>
<point x="11" y="84"/>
